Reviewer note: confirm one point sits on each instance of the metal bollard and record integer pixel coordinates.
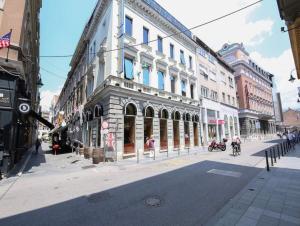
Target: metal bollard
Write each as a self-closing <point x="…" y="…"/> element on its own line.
<point x="271" y="155"/>
<point x="274" y="154"/>
<point x="278" y="152"/>
<point x="267" y="160"/>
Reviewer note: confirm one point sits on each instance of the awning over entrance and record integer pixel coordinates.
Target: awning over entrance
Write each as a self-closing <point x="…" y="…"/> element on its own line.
<point x="41" y="119"/>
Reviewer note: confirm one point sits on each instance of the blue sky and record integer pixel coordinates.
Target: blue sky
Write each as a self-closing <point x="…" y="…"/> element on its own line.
<point x="62" y="22"/>
<point x="257" y="27"/>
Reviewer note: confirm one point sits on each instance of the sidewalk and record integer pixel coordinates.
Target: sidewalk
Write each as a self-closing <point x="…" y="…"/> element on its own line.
<point x="272" y="198"/>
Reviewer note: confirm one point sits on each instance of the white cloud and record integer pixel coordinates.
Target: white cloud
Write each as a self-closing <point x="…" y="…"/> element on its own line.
<point x="46" y="98"/>
<point x="235" y="28"/>
<point x="281" y="67"/>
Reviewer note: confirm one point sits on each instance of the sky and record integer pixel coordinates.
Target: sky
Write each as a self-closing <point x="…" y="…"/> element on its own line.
<point x="257" y="27"/>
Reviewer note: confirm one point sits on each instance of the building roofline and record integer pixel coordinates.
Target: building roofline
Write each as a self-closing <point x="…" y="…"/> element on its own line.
<point x="213" y="53"/>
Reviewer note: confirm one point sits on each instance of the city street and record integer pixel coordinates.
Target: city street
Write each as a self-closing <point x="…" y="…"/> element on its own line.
<point x="188" y="190"/>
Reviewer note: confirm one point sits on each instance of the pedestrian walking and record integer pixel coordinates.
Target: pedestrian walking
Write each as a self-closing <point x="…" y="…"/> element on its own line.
<point x="37" y="145"/>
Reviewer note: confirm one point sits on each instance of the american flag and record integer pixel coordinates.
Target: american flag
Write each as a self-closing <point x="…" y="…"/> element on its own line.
<point x="5" y="40"/>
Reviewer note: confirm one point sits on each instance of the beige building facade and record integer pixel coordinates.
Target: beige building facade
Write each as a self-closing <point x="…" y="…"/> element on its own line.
<point x="19" y="78"/>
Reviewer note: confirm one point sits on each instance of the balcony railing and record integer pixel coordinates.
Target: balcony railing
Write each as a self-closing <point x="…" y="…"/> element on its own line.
<point x="130" y="85"/>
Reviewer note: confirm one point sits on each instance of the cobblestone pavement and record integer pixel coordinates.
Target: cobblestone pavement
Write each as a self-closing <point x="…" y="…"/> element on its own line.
<point x="271" y="198"/>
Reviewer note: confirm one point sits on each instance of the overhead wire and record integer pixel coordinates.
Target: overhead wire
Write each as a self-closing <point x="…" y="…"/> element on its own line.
<point x="168" y="36"/>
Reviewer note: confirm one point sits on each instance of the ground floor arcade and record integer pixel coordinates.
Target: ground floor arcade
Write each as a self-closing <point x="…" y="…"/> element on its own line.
<point x="131" y="121"/>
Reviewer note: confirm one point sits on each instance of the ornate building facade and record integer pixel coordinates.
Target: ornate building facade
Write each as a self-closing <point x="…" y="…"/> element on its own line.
<point x="140" y="87"/>
<point x="254" y="92"/>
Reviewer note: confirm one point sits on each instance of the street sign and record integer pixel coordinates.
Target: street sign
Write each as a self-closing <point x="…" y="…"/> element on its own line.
<point x="24" y="108"/>
<point x="104" y="125"/>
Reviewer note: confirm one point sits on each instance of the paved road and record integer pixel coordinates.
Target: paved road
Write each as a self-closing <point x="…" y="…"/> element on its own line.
<point x="182" y="191"/>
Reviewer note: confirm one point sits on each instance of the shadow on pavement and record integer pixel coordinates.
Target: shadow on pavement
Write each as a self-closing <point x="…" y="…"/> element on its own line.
<point x="37" y="159"/>
<point x="185" y="196"/>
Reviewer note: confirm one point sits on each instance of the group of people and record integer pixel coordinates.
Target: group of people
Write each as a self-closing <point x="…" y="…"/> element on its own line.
<point x="291" y="137"/>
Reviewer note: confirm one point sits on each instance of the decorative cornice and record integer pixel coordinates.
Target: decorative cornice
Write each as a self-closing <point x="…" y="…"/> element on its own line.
<point x="145" y="11"/>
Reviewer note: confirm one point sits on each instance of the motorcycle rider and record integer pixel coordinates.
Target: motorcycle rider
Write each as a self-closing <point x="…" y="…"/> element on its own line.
<point x="236" y="141"/>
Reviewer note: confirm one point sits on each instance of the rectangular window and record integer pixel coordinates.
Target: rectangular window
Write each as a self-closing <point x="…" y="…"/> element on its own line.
<point x="230" y="82"/>
<point x="213" y="95"/>
<point x="233" y="101"/>
<point x="192" y="91"/>
<point x="146" y="79"/>
<point x="173" y="84"/>
<point x="145" y="35"/>
<point x="202" y="52"/>
<point x="191" y="62"/>
<point x="161" y="80"/>
<point x="172" y="51"/>
<point x="128" y="68"/>
<point x="183" y="88"/>
<point x="228" y="99"/>
<point x="159" y="44"/>
<point x="204" y="91"/>
<point x="223" y="98"/>
<point x="211" y="58"/>
<point x="128" y="26"/>
<point x="182" y="59"/>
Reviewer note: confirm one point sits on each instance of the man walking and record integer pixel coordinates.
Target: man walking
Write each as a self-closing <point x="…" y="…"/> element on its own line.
<point x="37" y="145"/>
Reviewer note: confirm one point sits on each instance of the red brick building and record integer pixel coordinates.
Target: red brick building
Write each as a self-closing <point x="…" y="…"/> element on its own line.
<point x="254" y="91"/>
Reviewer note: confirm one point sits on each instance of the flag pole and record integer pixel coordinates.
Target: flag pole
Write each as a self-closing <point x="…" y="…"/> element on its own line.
<point x="8" y="47"/>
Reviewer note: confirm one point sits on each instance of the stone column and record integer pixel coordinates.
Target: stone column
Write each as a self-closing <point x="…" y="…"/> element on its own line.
<point x="156" y="133"/>
<point x="139" y="133"/>
<point x="170" y="135"/>
<point x="181" y="132"/>
<point x="191" y="127"/>
<point x="113" y="114"/>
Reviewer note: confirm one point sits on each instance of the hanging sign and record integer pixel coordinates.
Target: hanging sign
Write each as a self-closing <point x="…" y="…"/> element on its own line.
<point x="24" y="108"/>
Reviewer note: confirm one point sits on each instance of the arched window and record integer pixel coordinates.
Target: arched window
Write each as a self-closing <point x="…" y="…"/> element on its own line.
<point x="176" y="115"/>
<point x="97" y="111"/>
<point x="130" y="109"/>
<point x="186" y="117"/>
<point x="89" y="115"/>
<point x="163" y="114"/>
<point x="195" y="118"/>
<point x="149" y="112"/>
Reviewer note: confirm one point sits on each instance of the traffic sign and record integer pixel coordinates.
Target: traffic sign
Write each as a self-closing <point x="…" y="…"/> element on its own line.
<point x="104" y="125"/>
<point x="24" y="108"/>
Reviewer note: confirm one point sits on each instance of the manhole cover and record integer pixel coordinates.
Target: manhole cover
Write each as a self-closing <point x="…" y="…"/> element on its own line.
<point x="251" y="189"/>
<point x="88" y="167"/>
<point x="98" y="197"/>
<point x="154" y="201"/>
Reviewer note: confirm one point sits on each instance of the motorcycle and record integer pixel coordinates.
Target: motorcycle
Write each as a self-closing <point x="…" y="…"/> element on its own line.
<point x="214" y="145"/>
